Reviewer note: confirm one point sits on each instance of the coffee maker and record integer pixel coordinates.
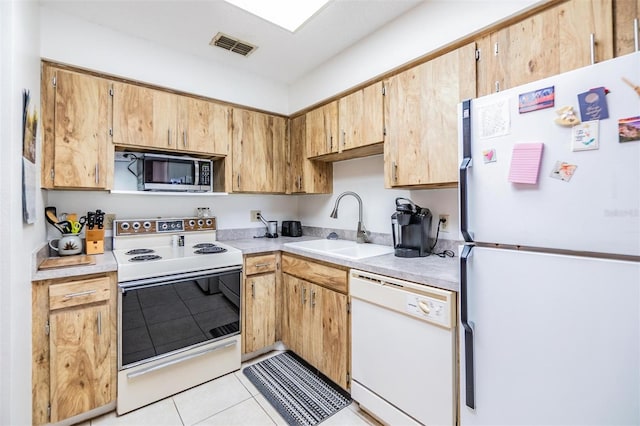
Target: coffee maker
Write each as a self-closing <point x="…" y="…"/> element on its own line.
<point x="411" y="225"/>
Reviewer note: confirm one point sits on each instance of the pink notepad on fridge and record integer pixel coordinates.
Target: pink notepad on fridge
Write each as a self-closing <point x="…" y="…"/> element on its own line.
<point x="525" y="163"/>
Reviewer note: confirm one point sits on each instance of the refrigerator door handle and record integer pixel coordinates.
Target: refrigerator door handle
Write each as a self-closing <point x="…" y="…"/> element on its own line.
<point x="464" y="167"/>
<point x="468" y="329"/>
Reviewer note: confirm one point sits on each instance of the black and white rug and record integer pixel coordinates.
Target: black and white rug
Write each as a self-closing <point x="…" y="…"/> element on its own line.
<point x="301" y="396"/>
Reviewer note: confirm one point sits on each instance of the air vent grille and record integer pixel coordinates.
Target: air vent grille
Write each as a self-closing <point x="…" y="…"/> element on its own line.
<point x="232" y="44"/>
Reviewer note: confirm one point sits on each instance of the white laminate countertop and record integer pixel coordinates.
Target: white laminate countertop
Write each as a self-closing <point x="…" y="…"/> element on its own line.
<point x="431" y="270"/>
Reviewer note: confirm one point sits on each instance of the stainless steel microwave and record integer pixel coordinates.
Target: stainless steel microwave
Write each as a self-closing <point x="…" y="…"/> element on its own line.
<point x="159" y="172"/>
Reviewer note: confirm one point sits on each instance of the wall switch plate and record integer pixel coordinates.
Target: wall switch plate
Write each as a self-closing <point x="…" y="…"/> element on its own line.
<point x="255" y="216"/>
<point x="444" y="222"/>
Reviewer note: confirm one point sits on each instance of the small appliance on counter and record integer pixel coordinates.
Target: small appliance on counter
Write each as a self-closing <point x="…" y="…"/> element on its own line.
<point x="272" y="227"/>
<point x="291" y="228"/>
<point x="411" y="225"/>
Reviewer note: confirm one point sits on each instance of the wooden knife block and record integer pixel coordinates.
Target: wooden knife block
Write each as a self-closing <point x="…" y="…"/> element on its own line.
<point x="94" y="239"/>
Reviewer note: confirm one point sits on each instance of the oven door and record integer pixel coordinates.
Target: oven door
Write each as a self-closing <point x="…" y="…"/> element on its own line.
<point x="162" y="316"/>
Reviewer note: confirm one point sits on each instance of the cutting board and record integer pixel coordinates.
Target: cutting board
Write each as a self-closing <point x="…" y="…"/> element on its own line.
<point x="66" y="261"/>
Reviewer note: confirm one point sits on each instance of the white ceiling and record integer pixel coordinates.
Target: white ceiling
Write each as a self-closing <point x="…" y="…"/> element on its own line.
<point x="188" y="26"/>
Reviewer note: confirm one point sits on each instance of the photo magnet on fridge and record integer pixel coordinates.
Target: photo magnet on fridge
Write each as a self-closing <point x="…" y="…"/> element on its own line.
<point x="593" y="104"/>
<point x="537" y="99"/>
<point x="563" y="171"/>
<point x="489" y="155"/>
<point x="584" y="136"/>
<point x="629" y="129"/>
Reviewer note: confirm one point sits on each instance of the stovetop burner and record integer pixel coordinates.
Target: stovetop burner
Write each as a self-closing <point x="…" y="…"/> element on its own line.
<point x="210" y="250"/>
<point x="203" y="245"/>
<point x="139" y="251"/>
<point x="144" y="258"/>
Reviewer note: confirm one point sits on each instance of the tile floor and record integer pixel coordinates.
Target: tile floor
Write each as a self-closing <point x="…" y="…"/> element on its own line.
<point x="228" y="400"/>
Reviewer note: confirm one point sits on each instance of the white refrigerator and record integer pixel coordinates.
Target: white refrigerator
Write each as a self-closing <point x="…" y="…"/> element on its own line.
<point x="550" y="269"/>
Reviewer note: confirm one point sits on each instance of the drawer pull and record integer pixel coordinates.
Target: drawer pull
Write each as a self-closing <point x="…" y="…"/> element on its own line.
<point x="313" y="298"/>
<point x="262" y="265"/>
<point x="79" y="294"/>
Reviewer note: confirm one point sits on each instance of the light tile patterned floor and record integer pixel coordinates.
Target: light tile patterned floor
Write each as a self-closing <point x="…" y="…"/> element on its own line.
<point x="228" y="400"/>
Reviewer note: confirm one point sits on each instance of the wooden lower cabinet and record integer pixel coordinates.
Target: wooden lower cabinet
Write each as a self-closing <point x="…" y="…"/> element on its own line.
<point x="259" y="302"/>
<point x="315" y="319"/>
<point x="74" y="346"/>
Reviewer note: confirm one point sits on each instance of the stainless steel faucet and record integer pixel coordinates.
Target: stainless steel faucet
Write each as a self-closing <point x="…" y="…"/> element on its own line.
<point x="361" y="232"/>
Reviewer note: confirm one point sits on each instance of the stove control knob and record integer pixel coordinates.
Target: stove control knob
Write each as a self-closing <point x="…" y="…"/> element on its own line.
<point x="136" y="225"/>
<point x="125" y="226"/>
<point x="192" y="223"/>
<point x="200" y="222"/>
<point x="164" y="226"/>
<point x="146" y="225"/>
<point x="209" y="222"/>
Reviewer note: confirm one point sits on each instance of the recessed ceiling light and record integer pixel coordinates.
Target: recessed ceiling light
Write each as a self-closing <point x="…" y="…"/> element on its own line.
<point x="288" y="14"/>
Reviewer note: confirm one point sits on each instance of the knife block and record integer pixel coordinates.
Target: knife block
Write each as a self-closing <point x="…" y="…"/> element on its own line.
<point x="94" y="240"/>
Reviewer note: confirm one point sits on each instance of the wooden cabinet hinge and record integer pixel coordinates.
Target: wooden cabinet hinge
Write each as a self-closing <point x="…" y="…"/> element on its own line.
<point x="496" y="49"/>
<point x="53" y="173"/>
<point x="384" y="90"/>
<point x="47" y="328"/>
<point x="348" y="379"/>
<point x="384" y="131"/>
<point x="477" y="54"/>
<point x="53" y="81"/>
<point x="110" y="131"/>
<point x="348" y="307"/>
<point x="111" y="91"/>
<point x="49" y="412"/>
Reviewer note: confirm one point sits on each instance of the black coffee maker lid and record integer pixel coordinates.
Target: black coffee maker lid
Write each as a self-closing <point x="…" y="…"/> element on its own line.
<point x="405" y="205"/>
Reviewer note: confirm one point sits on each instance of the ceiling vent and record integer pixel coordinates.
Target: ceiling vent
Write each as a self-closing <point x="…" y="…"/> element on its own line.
<point x="233" y="44"/>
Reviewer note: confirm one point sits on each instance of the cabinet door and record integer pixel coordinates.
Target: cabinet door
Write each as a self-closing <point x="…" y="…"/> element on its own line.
<point x="205" y="126"/>
<point x="553" y="41"/>
<point x="293" y="313"/>
<point x="421" y="145"/>
<point x="258" y="152"/>
<point x="166" y="134"/>
<point x="626" y="14"/>
<point x="80" y="360"/>
<point x="322" y="130"/>
<point x="260" y="311"/>
<point x="360" y="116"/>
<point x="305" y="176"/>
<point x="81" y="132"/>
<point x="334" y="332"/>
<point x="133" y="122"/>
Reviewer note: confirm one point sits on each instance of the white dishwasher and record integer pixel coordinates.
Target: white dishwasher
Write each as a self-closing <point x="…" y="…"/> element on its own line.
<point x="403" y="350"/>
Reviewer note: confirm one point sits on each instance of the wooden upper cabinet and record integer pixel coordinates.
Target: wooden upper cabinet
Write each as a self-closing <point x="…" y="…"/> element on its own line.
<point x="259" y="159"/>
<point x="305" y="175"/>
<point x="152" y="118"/>
<point x="553" y="41"/>
<point x="421" y="146"/>
<point x="360" y="116"/>
<point x="76" y="116"/>
<point x="205" y="127"/>
<point x="322" y="130"/>
<point x="626" y="14"/>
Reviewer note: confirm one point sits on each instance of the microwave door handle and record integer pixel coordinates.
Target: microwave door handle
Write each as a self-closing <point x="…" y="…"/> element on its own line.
<point x="197" y="178"/>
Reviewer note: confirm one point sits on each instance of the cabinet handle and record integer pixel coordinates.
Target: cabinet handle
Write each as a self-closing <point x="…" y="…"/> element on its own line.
<point x="79" y="294"/>
<point x="344" y="138"/>
<point x="262" y="265"/>
<point x="635" y="34"/>
<point x="253" y="289"/>
<point x="313" y="298"/>
<point x="99" y="323"/>
<point x="97" y="173"/>
<point x="299" y="183"/>
<point x="169" y="137"/>
<point x="184" y="138"/>
<point x="497" y="85"/>
<point x="330" y="143"/>
<point x="592" y="43"/>
<point x="395" y="172"/>
<point x="238" y="181"/>
<point x="304" y="295"/>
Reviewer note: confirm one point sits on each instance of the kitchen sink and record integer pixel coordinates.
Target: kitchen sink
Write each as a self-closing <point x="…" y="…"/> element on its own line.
<point x="342" y="248"/>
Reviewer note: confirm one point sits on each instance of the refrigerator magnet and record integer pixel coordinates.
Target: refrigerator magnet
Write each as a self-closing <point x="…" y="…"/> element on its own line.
<point x="563" y="171"/>
<point x="489" y="155"/>
<point x="629" y="129"/>
<point x="566" y="116"/>
<point x="584" y="136"/>
<point x="537" y="99"/>
<point x="593" y="104"/>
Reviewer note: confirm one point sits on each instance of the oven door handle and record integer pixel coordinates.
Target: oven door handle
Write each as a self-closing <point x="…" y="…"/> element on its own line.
<point x="156" y="367"/>
<point x="157" y="281"/>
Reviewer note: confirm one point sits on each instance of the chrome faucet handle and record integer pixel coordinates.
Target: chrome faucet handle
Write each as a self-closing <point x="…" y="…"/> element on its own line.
<point x="362" y="235"/>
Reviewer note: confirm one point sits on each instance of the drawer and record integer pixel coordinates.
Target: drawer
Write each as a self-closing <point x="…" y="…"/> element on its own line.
<point x="260" y="264"/>
<point x="318" y="273"/>
<point x="74" y="293"/>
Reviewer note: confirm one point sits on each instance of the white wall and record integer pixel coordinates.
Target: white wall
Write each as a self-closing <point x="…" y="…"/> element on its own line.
<point x="365" y="177"/>
<point x="20" y="69"/>
<point x="427" y="27"/>
<point x="70" y="40"/>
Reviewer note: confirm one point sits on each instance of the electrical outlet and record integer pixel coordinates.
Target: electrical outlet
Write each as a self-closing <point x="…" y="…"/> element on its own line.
<point x="108" y="220"/>
<point x="444" y="223"/>
<point x="255" y="215"/>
